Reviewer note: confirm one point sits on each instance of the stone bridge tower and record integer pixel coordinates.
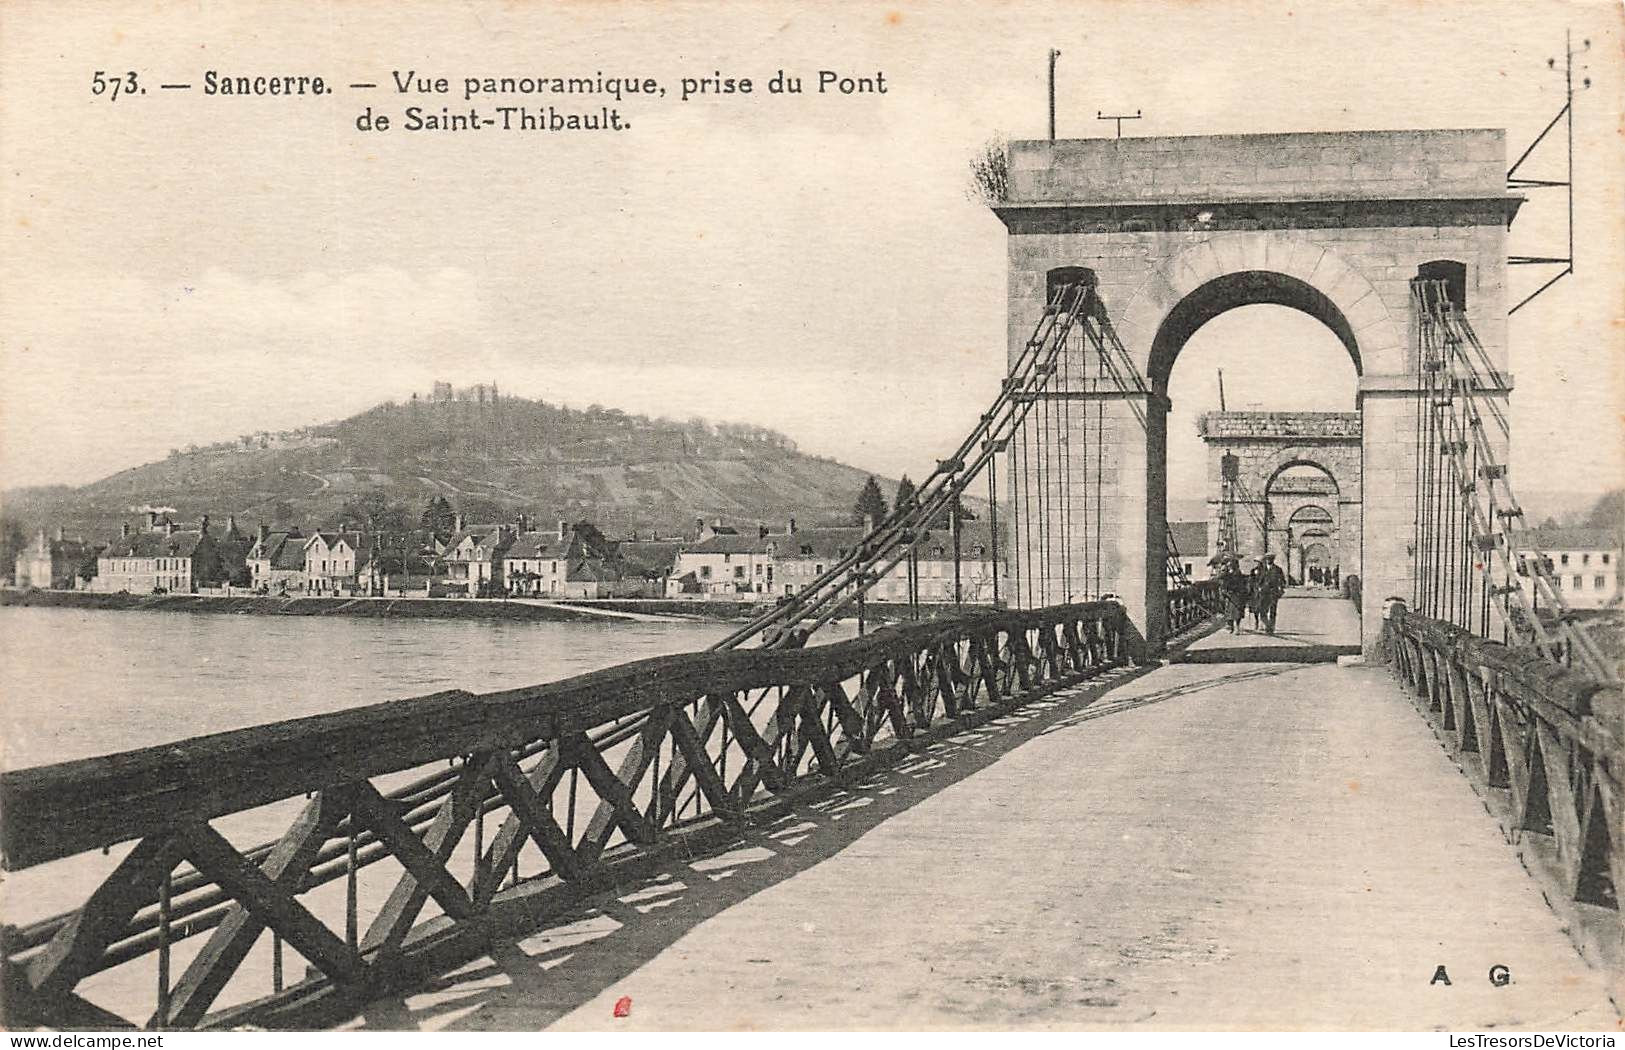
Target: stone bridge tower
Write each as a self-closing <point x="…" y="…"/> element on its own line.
<point x="1279" y="512"/>
<point x="1179" y="230"/>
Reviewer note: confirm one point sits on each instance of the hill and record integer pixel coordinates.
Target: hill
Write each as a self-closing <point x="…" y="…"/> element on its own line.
<point x="490" y="457"/>
<point x="1570" y="507"/>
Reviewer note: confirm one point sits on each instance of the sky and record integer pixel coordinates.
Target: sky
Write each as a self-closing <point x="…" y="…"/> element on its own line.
<point x="183" y="269"/>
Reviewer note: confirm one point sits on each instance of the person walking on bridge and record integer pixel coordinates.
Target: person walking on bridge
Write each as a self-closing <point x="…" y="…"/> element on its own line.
<point x="1233" y="588"/>
<point x="1255" y="605"/>
<point x="1269" y="583"/>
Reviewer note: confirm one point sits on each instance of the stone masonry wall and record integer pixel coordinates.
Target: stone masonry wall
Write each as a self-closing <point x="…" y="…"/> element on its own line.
<point x="1255" y="425"/>
<point x="1393" y="165"/>
<point x="1267" y="443"/>
<point x="1349" y="216"/>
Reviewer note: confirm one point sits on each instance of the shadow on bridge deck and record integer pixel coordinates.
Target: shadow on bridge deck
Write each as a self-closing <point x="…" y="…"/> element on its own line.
<point x="543" y="977"/>
<point x="1279" y="846"/>
<point x="540" y="979"/>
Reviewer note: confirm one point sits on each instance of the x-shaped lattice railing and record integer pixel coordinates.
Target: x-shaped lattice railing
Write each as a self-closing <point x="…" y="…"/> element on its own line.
<point x="583" y="781"/>
<point x="1541" y="741"/>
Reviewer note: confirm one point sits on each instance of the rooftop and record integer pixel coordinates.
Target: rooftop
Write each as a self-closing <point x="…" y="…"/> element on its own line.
<point x="1190" y="538"/>
<point x="1577" y="538"/>
<point x="182" y="543"/>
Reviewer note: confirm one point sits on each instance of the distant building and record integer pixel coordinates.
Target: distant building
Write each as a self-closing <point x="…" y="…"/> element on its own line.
<point x="479" y="393"/>
<point x="413" y="585"/>
<point x="276" y="561"/>
<point x="726" y="563"/>
<point x="935" y="565"/>
<point x="166" y="558"/>
<point x="577" y="561"/>
<point x="1190" y="540"/>
<point x="334" y="560"/>
<point x="597" y="578"/>
<point x="806" y="554"/>
<point x="233" y="546"/>
<point x="536" y="562"/>
<point x="1583" y="561"/>
<point x="803" y="555"/>
<point x="54" y="562"/>
<point x="474" y="557"/>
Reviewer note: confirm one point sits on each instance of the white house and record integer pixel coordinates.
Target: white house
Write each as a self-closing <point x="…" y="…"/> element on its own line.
<point x="276" y="561"/>
<point x="333" y="559"/>
<point x="725" y="563"/>
<point x="1583" y="561"/>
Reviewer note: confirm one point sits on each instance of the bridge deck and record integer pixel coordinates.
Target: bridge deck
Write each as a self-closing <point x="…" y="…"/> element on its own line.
<point x="1310" y="626"/>
<point x="1249" y="845"/>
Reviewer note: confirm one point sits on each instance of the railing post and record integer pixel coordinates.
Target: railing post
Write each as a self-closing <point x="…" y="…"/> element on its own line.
<point x="351" y="914"/>
<point x="162" y="1012"/>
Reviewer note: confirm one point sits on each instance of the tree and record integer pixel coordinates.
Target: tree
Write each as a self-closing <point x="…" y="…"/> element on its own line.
<point x="375" y="513"/>
<point x="12" y="541"/>
<point x="87" y="569"/>
<point x="905" y="495"/>
<point x="990" y="173"/>
<point x="871" y="505"/>
<point x="1609" y="510"/>
<point x="438" y="517"/>
<point x="479" y="510"/>
<point x="955" y="508"/>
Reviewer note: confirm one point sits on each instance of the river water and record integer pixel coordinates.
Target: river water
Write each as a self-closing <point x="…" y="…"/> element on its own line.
<point x="79" y="683"/>
<point x="84" y="682"/>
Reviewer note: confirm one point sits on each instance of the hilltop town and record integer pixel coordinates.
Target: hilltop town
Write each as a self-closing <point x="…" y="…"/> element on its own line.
<point x="435" y="497"/>
<point x="492" y="454"/>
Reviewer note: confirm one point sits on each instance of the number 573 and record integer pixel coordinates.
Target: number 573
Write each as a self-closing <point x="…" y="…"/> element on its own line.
<point x="113" y="86"/>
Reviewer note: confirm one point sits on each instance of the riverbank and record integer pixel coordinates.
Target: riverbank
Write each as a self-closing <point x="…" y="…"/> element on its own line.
<point x="566" y="610"/>
<point x="253" y="604"/>
<point x="722" y="609"/>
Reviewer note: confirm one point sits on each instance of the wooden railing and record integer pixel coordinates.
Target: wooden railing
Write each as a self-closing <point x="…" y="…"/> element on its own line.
<point x="587" y="782"/>
<point x="1192" y="605"/>
<point x="1543" y="744"/>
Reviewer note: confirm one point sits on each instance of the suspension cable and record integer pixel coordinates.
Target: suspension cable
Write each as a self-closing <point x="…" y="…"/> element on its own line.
<point x="887" y="543"/>
<point x="1490" y="528"/>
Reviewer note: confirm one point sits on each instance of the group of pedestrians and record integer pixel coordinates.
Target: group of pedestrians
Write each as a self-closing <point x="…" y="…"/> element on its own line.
<point x="1258" y="592"/>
